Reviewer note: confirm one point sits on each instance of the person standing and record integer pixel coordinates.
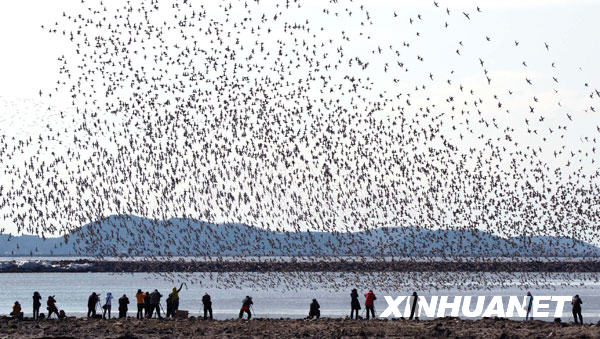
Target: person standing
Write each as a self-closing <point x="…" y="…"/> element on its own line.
<point x="147" y="305"/>
<point x="369" y="303"/>
<point x="576" y="308"/>
<point x="414" y="306"/>
<point x="37" y="303"/>
<point x="139" y="297"/>
<point x="174" y="295"/>
<point x="92" y="301"/>
<point x="354" y="303"/>
<point x="155" y="303"/>
<point x="207" y="305"/>
<point x="246" y="303"/>
<point x="529" y="306"/>
<point x="107" y="305"/>
<point x="123" y="302"/>
<point x="169" y="307"/>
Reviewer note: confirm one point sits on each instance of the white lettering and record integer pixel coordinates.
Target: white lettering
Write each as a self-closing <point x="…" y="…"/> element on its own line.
<point x="408" y="307"/>
<point x="428" y="308"/>
<point x="560" y="304"/>
<point x="454" y="306"/>
<point x="537" y="305"/>
<point x="392" y="307"/>
<point x="478" y="308"/>
<point x="515" y="305"/>
<point x="461" y="306"/>
<point x="496" y="307"/>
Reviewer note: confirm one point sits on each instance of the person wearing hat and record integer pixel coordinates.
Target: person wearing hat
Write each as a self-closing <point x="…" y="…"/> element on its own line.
<point x="174" y="298"/>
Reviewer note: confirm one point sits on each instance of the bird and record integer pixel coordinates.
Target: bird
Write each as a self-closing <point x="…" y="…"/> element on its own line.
<point x="231" y="130"/>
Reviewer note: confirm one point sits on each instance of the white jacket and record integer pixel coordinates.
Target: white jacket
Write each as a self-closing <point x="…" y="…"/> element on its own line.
<point x="528" y="302"/>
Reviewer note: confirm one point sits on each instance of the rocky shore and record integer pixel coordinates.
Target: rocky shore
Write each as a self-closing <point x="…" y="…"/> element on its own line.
<point x="86" y="265"/>
<point x="288" y="328"/>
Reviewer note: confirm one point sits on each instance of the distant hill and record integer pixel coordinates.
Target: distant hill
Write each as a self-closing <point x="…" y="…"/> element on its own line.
<point x="136" y="236"/>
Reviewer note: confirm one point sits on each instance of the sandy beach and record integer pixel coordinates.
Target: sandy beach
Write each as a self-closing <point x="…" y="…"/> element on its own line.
<point x="287" y="328"/>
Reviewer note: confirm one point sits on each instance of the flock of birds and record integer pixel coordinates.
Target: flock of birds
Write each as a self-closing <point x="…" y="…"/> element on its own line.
<point x="244" y="111"/>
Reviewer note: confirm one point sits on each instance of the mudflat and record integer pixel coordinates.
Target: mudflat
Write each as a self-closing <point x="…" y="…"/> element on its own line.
<point x="292" y="328"/>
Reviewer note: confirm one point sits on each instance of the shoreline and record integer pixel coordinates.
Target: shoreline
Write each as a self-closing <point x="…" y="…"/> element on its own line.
<point x="146" y="266"/>
<point x="287" y="328"/>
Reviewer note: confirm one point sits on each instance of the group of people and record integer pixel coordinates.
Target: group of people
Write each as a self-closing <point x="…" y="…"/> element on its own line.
<point x="149" y="303"/>
<point x="17" y="311"/>
<point x="576" y="303"/>
<point x="94" y="300"/>
<point x="355" y="304"/>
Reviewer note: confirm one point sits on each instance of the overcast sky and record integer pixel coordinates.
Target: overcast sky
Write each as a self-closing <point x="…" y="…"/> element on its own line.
<point x="28" y="62"/>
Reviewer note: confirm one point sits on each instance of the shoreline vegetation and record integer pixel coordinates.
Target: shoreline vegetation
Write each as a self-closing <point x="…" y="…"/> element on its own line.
<point x="152" y="266"/>
<point x="287" y="328"/>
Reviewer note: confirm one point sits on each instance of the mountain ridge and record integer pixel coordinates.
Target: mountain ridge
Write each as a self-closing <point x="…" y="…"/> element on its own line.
<point x="130" y="235"/>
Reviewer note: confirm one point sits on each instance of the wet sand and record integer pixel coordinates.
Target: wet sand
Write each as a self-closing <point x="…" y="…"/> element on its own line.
<point x="288" y="328"/>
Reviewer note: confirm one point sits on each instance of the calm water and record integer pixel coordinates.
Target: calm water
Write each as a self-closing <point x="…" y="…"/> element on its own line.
<point x="272" y="300"/>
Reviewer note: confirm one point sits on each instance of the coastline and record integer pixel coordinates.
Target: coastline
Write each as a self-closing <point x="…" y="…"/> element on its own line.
<point x="148" y="266"/>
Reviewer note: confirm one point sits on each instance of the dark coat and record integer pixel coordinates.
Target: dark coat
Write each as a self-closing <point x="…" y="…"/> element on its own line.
<point x="93" y="300"/>
<point x="314" y="307"/>
<point x="354" y="303"/>
<point x="206" y="300"/>
<point x="155" y="297"/>
<point x="123" y="302"/>
<point x="576" y="303"/>
<point x="247" y="302"/>
<point x="36" y="300"/>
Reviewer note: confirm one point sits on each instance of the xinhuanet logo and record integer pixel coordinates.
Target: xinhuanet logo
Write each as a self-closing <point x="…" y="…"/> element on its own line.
<point x="475" y="306"/>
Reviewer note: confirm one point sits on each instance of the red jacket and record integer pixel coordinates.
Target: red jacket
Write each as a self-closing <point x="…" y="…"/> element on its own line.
<point x="369" y="298"/>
